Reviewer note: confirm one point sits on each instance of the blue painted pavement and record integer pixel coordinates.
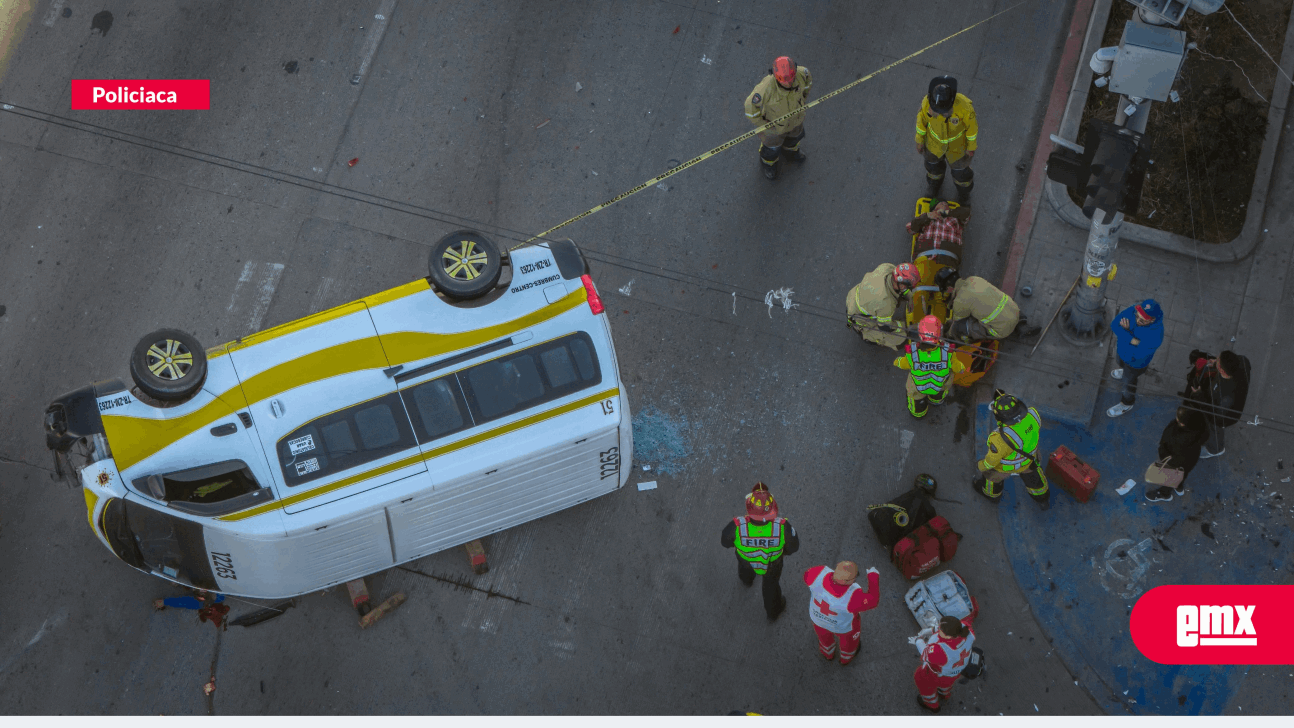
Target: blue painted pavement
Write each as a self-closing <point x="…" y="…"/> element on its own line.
<point x="1083" y="565"/>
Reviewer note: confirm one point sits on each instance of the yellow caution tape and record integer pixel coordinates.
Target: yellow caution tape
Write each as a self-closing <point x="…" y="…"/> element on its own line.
<point x="734" y="142"/>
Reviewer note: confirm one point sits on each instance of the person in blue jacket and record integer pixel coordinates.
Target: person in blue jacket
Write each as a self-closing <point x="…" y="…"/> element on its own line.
<point x="1139" y="329"/>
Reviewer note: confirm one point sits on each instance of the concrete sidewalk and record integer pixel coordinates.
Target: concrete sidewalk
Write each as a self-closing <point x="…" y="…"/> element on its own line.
<point x="1082" y="566"/>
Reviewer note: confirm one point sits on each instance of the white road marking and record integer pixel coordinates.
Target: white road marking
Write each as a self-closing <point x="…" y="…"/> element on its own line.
<point x="374" y="38"/>
<point x="45" y="627"/>
<point x="265" y="293"/>
<point x="55" y="8"/>
<point x="626" y="288"/>
<point x="905" y="444"/>
<point x="321" y="295"/>
<point x="264" y="278"/>
<point x="486" y="614"/>
<point x="249" y="268"/>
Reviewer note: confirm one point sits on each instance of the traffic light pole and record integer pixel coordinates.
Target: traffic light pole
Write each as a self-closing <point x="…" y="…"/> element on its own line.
<point x="1084" y="319"/>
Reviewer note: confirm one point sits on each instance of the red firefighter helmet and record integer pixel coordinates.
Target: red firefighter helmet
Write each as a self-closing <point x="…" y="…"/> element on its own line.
<point x="760" y="504"/>
<point x="906" y="276"/>
<point x="928" y="329"/>
<point x="784" y="70"/>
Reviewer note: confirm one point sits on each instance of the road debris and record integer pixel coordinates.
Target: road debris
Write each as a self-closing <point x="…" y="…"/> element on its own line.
<point x="382" y="610"/>
<point x="647" y="485"/>
<point x="779" y="294"/>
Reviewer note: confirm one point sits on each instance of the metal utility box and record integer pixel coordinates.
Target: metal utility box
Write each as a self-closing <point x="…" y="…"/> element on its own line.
<point x="1173" y="10"/>
<point x="1147" y="62"/>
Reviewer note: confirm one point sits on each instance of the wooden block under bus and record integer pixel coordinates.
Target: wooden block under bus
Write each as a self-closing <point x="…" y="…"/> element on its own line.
<point x="476" y="554"/>
<point x="382" y="610"/>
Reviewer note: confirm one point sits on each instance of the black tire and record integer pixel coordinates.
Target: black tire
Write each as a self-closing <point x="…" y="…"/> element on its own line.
<point x="169" y="365"/>
<point x="465" y="265"/>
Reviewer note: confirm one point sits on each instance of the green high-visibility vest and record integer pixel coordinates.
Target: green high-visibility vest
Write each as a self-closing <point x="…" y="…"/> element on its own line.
<point x="760" y="543"/>
<point x="1023" y="437"/>
<point x="930" y="369"/>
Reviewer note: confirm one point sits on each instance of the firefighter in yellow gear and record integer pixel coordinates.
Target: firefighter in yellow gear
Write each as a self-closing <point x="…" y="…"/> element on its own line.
<point x="947" y="132"/>
<point x="979" y="310"/>
<point x="783" y="90"/>
<point x="932" y="367"/>
<point x="871" y="305"/>
<point x="1013" y="450"/>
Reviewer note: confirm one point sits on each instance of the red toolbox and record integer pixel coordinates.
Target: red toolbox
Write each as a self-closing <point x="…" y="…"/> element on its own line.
<point x="1077" y="477"/>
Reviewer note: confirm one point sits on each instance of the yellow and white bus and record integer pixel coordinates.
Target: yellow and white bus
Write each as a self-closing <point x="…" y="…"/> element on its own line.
<point x="358" y="438"/>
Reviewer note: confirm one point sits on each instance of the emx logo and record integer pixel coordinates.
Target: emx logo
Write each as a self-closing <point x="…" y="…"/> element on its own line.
<point x="1223" y="623"/>
<point x="1214" y="624"/>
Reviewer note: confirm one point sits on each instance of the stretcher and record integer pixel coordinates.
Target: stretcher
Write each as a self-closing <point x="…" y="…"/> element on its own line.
<point x="976" y="357"/>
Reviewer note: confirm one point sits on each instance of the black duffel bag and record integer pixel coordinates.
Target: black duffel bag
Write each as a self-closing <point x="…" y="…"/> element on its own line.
<point x="894" y="520"/>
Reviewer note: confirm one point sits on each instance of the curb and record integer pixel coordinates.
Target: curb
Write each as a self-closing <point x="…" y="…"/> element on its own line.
<point x="1244" y="244"/>
<point x="1051" y="124"/>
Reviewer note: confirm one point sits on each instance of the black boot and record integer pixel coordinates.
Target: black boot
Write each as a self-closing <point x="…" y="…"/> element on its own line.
<point x="794" y="155"/>
<point x="963" y="193"/>
<point x="1024" y="330"/>
<point x="1043" y="501"/>
<point x="770" y="170"/>
<point x="932" y="187"/>
<point x="777" y="611"/>
<point x="978" y="484"/>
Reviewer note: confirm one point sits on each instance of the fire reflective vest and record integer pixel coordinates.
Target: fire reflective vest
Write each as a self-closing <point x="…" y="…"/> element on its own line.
<point x="829" y="611"/>
<point x="1023" y="439"/>
<point x="955" y="658"/>
<point x="760" y="543"/>
<point x="930" y="368"/>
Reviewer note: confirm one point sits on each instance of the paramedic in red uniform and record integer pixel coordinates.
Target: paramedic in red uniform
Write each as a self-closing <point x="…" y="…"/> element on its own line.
<point x="943" y="659"/>
<point x="835" y="602"/>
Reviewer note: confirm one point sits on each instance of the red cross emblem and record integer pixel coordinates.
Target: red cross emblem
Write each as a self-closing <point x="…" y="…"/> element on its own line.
<point x="825" y="608"/>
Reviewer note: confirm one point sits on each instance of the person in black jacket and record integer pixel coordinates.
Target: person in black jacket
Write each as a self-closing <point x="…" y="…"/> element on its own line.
<point x="762" y="538"/>
<point x="1217" y="387"/>
<point x="1180" y="443"/>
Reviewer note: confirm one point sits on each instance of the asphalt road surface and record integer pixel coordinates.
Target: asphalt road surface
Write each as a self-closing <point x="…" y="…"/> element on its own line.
<point x="625" y="604"/>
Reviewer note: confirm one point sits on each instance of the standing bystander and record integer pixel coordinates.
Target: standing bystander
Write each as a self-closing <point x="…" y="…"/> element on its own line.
<point x="1179" y="449"/>
<point x="1217" y="387"/>
<point x="835" y="602"/>
<point x="1139" y="330"/>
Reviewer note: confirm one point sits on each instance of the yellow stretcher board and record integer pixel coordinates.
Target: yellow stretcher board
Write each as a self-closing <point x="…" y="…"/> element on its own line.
<point x="977" y="357"/>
